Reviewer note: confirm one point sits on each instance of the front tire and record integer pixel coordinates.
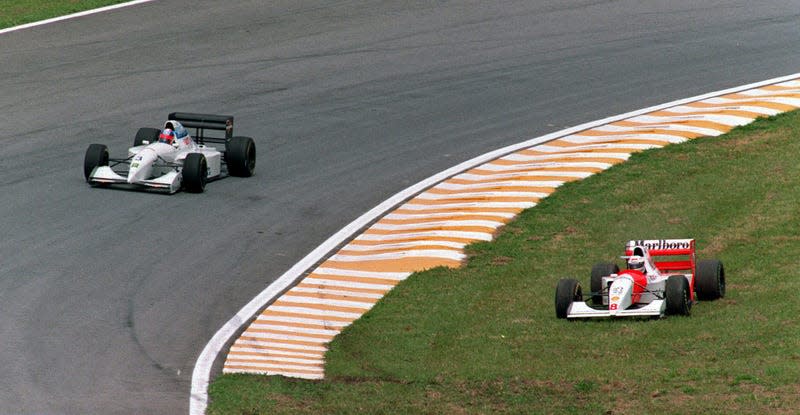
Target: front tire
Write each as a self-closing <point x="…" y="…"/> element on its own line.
<point x="240" y="155"/>
<point x="146" y="134"/>
<point x="710" y="282"/>
<point x="600" y="270"/>
<point x="677" y="296"/>
<point x="567" y="292"/>
<point x="195" y="173"/>
<point x="96" y="155"/>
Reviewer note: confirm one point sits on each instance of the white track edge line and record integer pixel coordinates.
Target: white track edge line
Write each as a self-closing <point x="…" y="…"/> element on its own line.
<point x="198" y="400"/>
<point x="73" y="16"/>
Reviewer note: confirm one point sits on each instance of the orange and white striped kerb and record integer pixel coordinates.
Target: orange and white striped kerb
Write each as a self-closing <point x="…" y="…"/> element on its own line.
<point x="290" y="336"/>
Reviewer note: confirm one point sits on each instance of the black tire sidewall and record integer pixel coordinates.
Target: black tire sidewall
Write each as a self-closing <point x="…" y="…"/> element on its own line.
<point x="146" y="134"/>
<point x="567" y="291"/>
<point x="96" y="155"/>
<point x="710" y="282"/>
<point x="195" y="172"/>
<point x="600" y="270"/>
<point x="240" y="156"/>
<point x="676" y="294"/>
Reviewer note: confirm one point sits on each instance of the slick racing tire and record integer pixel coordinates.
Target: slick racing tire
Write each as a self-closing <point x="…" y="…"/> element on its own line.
<point x="600" y="270"/>
<point x="567" y="292"/>
<point x="96" y="155"/>
<point x="710" y="280"/>
<point x="240" y="155"/>
<point x="195" y="173"/>
<point x="677" y="296"/>
<point x="146" y="134"/>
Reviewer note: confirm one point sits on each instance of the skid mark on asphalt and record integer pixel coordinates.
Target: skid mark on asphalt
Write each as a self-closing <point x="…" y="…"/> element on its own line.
<point x="290" y="336"/>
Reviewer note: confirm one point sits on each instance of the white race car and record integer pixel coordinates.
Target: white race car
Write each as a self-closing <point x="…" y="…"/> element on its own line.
<point x="661" y="278"/>
<point x="170" y="159"/>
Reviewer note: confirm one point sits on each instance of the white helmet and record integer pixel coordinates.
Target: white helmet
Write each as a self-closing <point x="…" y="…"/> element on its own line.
<point x="636" y="262"/>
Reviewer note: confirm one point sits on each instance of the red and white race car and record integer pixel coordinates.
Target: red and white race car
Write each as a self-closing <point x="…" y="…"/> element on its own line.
<point x="661" y="278"/>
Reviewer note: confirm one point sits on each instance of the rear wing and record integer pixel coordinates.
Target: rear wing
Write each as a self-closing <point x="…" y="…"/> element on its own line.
<point x="203" y="122"/>
<point x="680" y="253"/>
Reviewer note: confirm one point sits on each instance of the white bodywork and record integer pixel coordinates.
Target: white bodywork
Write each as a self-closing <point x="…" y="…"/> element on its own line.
<point x="620" y="298"/>
<point x="581" y="309"/>
<point x="158" y="165"/>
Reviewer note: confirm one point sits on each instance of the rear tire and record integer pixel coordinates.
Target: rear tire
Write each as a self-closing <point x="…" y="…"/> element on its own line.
<point x="146" y="134"/>
<point x="195" y="173"/>
<point x="240" y="155"/>
<point x="600" y="270"/>
<point x="677" y="296"/>
<point x="96" y="155"/>
<point x="710" y="282"/>
<point x="567" y="292"/>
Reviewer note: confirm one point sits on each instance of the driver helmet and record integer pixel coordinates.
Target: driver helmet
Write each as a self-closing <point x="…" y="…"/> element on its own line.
<point x="166" y="136"/>
<point x="636" y="262"/>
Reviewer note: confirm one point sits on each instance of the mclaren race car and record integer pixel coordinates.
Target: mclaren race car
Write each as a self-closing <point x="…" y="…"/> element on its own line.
<point x="661" y="278"/>
<point x="170" y="159"/>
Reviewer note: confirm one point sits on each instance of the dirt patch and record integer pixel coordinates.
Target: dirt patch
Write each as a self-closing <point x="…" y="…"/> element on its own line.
<point x="501" y="260"/>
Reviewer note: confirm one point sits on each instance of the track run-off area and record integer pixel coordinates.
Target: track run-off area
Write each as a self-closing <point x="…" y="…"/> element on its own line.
<point x="465" y="204"/>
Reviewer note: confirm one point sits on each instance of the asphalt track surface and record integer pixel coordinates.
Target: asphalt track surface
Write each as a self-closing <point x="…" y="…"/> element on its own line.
<point x="107" y="297"/>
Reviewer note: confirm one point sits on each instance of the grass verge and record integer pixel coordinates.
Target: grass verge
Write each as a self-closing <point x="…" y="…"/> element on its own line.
<point x="484" y="338"/>
<point x="15" y="13"/>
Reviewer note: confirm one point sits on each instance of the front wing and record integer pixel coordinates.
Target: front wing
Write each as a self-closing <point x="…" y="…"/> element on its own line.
<point x="104" y="175"/>
<point x="579" y="309"/>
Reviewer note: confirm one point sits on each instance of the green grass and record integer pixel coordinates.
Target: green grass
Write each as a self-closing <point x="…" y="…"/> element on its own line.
<point x="18" y="12"/>
<point x="484" y="338"/>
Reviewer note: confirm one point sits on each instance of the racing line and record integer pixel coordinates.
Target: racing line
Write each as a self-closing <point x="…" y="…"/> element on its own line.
<point x="429" y="224"/>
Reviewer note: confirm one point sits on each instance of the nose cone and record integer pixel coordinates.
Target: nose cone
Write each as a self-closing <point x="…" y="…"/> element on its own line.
<point x="619" y="294"/>
<point x="142" y="165"/>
